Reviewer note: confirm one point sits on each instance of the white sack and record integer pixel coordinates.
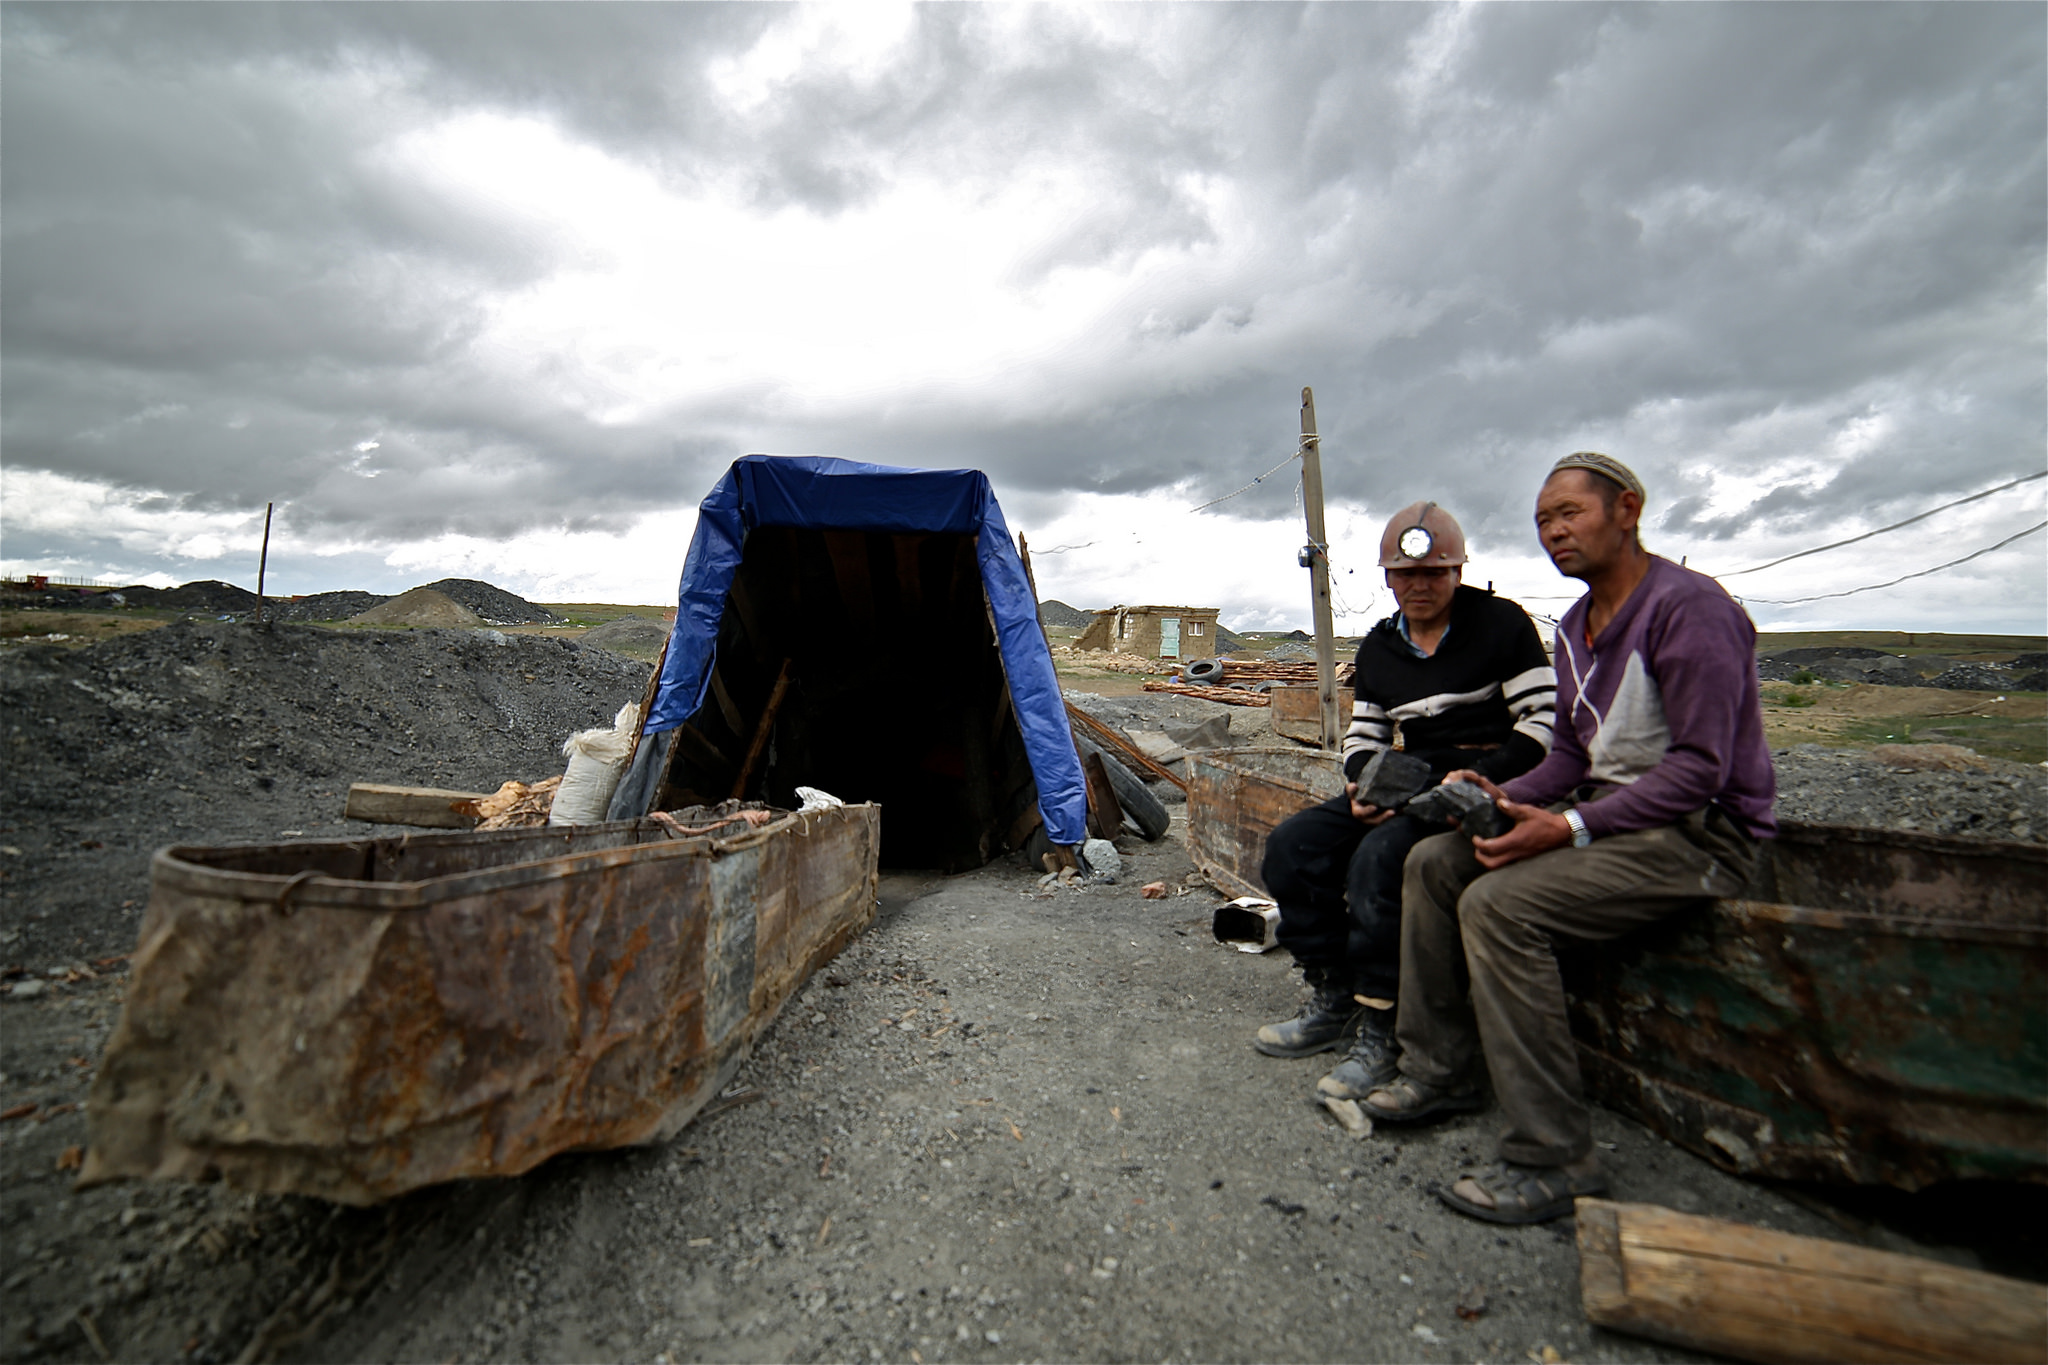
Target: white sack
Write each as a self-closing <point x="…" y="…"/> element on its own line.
<point x="596" y="759"/>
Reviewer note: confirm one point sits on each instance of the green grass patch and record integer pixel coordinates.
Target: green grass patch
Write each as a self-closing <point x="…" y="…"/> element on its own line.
<point x="2025" y="741"/>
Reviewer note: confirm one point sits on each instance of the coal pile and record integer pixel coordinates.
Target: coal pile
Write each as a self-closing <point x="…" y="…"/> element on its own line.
<point x="206" y="597"/>
<point x="496" y="606"/>
<point x="211" y="733"/>
<point x="324" y="606"/>
<point x="1990" y="678"/>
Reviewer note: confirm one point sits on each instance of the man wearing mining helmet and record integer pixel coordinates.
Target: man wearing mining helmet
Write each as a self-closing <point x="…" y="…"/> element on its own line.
<point x="1464" y="676"/>
<point x="1653" y="798"/>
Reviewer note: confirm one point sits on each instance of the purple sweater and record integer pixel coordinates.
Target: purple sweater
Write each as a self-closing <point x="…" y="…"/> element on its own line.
<point x="1665" y="705"/>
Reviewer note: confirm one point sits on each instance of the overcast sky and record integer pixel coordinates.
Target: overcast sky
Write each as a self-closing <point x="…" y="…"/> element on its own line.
<point x="498" y="291"/>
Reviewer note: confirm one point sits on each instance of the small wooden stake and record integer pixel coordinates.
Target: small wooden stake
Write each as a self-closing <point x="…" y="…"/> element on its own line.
<point x="263" y="564"/>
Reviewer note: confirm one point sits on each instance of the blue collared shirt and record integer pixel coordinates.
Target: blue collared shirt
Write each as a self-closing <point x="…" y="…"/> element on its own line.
<point x="1401" y="624"/>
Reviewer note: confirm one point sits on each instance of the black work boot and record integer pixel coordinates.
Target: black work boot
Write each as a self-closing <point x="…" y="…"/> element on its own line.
<point x="1373" y="1063"/>
<point x="1319" y="1027"/>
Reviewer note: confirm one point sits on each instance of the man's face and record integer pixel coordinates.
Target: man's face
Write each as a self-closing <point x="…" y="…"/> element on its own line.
<point x="1578" y="532"/>
<point x="1424" y="594"/>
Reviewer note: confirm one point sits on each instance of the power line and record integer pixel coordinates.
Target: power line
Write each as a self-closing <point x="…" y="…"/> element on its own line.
<point x="1818" y="597"/>
<point x="1897" y="525"/>
<point x="1253" y="484"/>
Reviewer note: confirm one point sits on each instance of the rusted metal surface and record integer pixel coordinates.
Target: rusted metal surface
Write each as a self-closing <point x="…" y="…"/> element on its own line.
<point x="1297" y="712"/>
<point x="355" y="1020"/>
<point x="1871" y="1012"/>
<point x="1237" y="796"/>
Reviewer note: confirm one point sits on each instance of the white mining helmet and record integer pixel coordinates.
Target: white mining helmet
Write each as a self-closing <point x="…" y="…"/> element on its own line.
<point x="1422" y="536"/>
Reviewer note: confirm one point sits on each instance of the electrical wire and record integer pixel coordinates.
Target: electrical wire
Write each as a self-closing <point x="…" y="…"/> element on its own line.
<point x="1254" y="483"/>
<point x="1873" y="587"/>
<point x="1897" y="525"/>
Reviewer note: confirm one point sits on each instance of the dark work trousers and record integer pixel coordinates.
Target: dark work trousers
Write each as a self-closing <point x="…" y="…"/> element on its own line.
<point x="1337" y="881"/>
<point x="1478" y="949"/>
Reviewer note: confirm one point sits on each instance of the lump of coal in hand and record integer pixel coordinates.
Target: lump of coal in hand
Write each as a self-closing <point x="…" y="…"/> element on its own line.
<point x="1392" y="778"/>
<point x="1467" y="803"/>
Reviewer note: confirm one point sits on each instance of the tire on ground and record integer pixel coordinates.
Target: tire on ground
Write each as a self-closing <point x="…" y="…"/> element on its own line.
<point x="1145" y="810"/>
<point x="1208" y="671"/>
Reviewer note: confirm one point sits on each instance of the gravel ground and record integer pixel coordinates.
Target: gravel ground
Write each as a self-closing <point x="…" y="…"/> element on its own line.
<point x="1006" y="1124"/>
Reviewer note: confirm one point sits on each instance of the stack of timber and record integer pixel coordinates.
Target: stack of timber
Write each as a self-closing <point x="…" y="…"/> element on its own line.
<point x="1276" y="671"/>
<point x="1769" y="1296"/>
<point x="356" y="1019"/>
<point x="1229" y="696"/>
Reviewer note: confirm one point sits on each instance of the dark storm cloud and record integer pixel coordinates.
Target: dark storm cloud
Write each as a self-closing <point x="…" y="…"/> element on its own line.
<point x="1714" y="238"/>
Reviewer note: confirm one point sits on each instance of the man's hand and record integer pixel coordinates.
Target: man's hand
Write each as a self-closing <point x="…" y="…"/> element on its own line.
<point x="1360" y="811"/>
<point x="1536" y="831"/>
<point x="1485" y="784"/>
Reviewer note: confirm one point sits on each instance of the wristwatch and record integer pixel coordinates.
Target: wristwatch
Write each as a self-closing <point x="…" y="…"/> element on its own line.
<point x="1581" y="836"/>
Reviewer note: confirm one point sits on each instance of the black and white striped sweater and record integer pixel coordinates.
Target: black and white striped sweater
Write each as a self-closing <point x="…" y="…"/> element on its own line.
<point x="1489" y="683"/>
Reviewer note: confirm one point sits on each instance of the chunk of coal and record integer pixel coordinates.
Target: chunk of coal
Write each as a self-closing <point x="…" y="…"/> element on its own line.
<point x="1392" y="778"/>
<point x="1467" y="803"/>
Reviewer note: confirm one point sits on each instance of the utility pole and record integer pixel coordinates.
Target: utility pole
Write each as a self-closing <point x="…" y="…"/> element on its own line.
<point x="1315" y="557"/>
<point x="263" y="564"/>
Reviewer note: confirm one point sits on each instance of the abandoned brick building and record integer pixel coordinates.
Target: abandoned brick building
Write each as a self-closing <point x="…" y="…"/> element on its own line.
<point x="1153" y="632"/>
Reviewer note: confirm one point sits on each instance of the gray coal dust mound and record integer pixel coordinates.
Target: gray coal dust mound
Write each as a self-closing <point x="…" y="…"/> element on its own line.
<point x="213" y="733"/>
<point x="634" y="635"/>
<point x="324" y="606"/>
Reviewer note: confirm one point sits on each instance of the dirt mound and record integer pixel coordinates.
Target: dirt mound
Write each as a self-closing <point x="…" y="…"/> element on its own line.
<point x="325" y="606"/>
<point x="420" y="607"/>
<point x="634" y="635"/>
<point x="1061" y="616"/>
<point x="211" y="732"/>
<point x="496" y="606"/>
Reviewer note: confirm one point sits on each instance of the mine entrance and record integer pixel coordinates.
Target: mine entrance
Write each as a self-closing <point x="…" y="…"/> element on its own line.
<point x="894" y="693"/>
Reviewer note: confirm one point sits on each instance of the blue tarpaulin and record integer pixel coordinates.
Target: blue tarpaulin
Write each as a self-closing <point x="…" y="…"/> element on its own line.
<point x="819" y="493"/>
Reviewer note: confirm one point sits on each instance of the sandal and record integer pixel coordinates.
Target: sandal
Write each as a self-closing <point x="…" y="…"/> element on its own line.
<point x="1407" y="1100"/>
<point x="1524" y="1194"/>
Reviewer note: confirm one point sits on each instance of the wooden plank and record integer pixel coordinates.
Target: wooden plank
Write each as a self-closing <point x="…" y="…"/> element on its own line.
<point x="427" y="807"/>
<point x="1132" y="755"/>
<point x="763" y="730"/>
<point x="1769" y="1296"/>
<point x="1105" y="814"/>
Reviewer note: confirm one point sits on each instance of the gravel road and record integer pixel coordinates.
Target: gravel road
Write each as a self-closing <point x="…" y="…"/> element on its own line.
<point x="1008" y="1123"/>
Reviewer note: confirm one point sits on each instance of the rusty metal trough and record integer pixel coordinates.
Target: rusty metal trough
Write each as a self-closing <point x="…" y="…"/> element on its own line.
<point x="354" y="1020"/>
<point x="1871" y="1012"/>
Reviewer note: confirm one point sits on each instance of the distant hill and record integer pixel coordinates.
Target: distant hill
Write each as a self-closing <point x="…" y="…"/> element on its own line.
<point x="1058" y="613"/>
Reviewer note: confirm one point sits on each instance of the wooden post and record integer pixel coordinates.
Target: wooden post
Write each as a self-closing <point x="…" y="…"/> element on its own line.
<point x="263" y="564"/>
<point x="763" y="730"/>
<point x="1317" y="558"/>
<point x="1770" y="1296"/>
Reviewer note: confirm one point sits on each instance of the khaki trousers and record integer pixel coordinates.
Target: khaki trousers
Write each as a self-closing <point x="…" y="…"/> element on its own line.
<point x="1478" y="970"/>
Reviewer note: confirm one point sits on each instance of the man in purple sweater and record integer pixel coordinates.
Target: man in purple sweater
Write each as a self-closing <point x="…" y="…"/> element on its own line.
<point x="1653" y="798"/>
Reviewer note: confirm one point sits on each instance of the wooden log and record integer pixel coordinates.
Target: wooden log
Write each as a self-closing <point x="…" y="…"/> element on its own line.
<point x="1769" y="1296"/>
<point x="763" y="730"/>
<point x="428" y="807"/>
